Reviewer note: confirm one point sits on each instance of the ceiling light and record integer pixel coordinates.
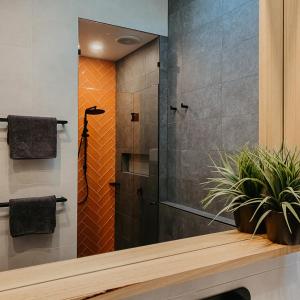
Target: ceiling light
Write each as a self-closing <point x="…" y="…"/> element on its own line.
<point x="128" y="40"/>
<point x="96" y="47"/>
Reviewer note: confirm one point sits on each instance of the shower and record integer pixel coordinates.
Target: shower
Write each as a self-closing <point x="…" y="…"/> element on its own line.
<point x="117" y="151"/>
<point x="84" y="141"/>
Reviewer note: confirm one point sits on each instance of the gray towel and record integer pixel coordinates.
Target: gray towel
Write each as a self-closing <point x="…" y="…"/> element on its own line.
<point x="32" y="137"/>
<point x="32" y="215"/>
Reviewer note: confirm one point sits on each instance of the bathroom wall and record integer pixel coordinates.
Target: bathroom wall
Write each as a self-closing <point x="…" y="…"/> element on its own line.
<point x="212" y="68"/>
<point x="38" y="76"/>
<point x="96" y="216"/>
<point x="137" y="148"/>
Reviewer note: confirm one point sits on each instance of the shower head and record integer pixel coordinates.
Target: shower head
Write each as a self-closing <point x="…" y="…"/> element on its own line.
<point x="94" y="111"/>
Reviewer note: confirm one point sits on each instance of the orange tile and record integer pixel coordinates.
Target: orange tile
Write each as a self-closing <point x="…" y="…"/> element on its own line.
<point x="97" y="86"/>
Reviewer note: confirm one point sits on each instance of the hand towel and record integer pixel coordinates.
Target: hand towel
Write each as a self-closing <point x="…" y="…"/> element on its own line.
<point x="32" y="137"/>
<point x="32" y="215"/>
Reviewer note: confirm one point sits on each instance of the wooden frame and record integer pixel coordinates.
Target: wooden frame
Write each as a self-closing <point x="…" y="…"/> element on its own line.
<point x="292" y="73"/>
<point x="271" y="66"/>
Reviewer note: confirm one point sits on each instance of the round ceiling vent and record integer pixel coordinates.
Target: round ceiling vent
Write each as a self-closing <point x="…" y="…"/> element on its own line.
<point x="128" y="40"/>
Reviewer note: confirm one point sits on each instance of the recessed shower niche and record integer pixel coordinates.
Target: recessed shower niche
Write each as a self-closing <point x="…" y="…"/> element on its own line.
<point x="135" y="163"/>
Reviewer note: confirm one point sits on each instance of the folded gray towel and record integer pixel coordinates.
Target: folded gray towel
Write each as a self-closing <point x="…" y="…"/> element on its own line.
<point x="32" y="215"/>
<point x="32" y="137"/>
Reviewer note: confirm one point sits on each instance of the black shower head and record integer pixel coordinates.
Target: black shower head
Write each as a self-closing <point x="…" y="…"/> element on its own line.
<point x="94" y="111"/>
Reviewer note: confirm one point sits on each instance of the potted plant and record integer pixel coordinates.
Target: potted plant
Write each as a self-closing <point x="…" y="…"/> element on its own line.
<point x="238" y="182"/>
<point x="281" y="195"/>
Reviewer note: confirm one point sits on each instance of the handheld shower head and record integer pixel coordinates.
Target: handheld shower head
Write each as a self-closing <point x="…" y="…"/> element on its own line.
<point x="94" y="111"/>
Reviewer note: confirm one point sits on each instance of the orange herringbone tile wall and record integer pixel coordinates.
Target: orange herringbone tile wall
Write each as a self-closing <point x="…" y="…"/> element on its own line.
<point x="97" y="86"/>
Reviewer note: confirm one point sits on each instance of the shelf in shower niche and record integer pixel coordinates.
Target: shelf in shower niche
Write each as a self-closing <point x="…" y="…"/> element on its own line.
<point x="137" y="164"/>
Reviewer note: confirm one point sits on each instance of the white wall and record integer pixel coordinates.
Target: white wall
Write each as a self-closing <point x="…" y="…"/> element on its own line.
<point x="38" y="76"/>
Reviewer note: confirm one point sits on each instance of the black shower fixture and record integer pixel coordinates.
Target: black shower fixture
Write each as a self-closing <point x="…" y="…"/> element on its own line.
<point x="84" y="140"/>
<point x="94" y="111"/>
<point x="184" y="106"/>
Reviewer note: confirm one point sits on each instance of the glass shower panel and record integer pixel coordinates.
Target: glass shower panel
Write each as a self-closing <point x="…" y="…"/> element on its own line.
<point x="137" y="147"/>
<point x="145" y="150"/>
<point x="125" y="194"/>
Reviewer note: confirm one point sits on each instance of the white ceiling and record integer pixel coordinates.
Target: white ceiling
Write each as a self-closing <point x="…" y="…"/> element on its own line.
<point x="98" y="40"/>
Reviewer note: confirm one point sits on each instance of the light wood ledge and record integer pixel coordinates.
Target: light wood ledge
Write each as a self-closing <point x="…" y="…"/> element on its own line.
<point x="124" y="273"/>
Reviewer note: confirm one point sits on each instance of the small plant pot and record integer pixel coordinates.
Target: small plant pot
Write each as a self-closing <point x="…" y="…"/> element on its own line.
<point x="278" y="231"/>
<point x="242" y="217"/>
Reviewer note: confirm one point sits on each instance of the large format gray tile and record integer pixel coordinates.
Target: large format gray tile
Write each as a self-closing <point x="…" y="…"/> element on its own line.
<point x="178" y="135"/>
<point x="163" y="53"/>
<point x="126" y="183"/>
<point x="240" y="96"/>
<point x="240" y="24"/>
<point x="175" y="40"/>
<point x="146" y="104"/>
<point x="175" y="24"/>
<point x="124" y="124"/>
<point x="137" y="85"/>
<point x="200" y="12"/>
<point x="178" y="224"/>
<point x="152" y="79"/>
<point x="175" y="5"/>
<point x="191" y="193"/>
<point x="148" y="186"/>
<point x="203" y="103"/>
<point x="240" y="61"/>
<point x="174" y="82"/>
<point x="239" y="130"/>
<point x="174" y="164"/>
<point x="163" y="110"/>
<point x="128" y="204"/>
<point x="145" y="137"/>
<point x="205" y="134"/>
<point x="190" y="165"/>
<point x="151" y="56"/>
<point x="229" y="5"/>
<point x="202" y="40"/>
<point x="145" y="131"/>
<point x="203" y="71"/>
<point x="213" y="68"/>
<point x="175" y="51"/>
<point x="132" y="84"/>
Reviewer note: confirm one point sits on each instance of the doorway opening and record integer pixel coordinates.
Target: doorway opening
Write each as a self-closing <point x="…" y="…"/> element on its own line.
<point x="118" y="138"/>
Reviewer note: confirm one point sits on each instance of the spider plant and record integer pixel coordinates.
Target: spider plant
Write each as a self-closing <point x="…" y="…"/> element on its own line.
<point x="238" y="181"/>
<point x="281" y="177"/>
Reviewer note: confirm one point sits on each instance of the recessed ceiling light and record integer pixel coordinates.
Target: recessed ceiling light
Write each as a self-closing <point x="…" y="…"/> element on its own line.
<point x="96" y="46"/>
<point x="129" y="40"/>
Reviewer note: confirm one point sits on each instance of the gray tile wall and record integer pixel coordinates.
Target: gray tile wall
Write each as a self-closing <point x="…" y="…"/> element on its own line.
<point x="163" y="120"/>
<point x="213" y="68"/>
<point x="137" y="91"/>
<point x="178" y="224"/>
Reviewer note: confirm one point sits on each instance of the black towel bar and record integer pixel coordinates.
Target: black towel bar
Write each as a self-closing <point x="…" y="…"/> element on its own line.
<point x="62" y="199"/>
<point x="62" y="122"/>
